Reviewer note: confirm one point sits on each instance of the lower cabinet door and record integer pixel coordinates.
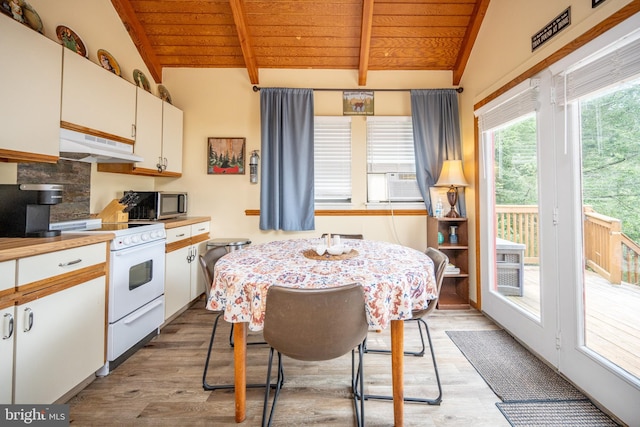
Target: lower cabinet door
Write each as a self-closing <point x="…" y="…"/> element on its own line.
<point x="177" y="281"/>
<point x="60" y="341"/>
<point x="7" y="323"/>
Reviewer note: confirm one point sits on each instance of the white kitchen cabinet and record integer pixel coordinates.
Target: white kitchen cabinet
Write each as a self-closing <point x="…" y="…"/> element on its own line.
<point x="148" y="130"/>
<point x="7" y="339"/>
<point x="97" y="101"/>
<point x="158" y="139"/>
<point x="7" y="329"/>
<point x="59" y="341"/>
<point x="172" y="126"/>
<point x="7" y="276"/>
<point x="59" y="322"/>
<point x="31" y="75"/>
<point x="177" y="288"/>
<point x="183" y="279"/>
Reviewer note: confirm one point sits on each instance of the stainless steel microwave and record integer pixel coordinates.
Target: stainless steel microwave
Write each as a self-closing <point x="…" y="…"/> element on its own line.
<point x="154" y="205"/>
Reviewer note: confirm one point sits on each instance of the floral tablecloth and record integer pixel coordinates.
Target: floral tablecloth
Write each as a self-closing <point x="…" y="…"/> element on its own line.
<point x="396" y="279"/>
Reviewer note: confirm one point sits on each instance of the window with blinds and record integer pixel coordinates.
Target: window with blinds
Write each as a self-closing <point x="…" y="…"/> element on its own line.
<point x="390" y="145"/>
<point x="332" y="158"/>
<point x="391" y="168"/>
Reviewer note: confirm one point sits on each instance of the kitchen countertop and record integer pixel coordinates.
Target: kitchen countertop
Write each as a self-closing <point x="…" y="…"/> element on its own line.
<point x="19" y="247"/>
<point x="186" y="220"/>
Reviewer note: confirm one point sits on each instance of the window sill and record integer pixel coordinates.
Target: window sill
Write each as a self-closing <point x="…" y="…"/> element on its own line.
<point x="380" y="211"/>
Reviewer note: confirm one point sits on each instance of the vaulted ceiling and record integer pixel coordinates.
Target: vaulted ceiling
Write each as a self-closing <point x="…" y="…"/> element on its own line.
<point x="357" y="35"/>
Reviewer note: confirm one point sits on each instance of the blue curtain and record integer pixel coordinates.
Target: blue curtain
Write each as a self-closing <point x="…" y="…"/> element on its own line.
<point x="286" y="186"/>
<point x="436" y="137"/>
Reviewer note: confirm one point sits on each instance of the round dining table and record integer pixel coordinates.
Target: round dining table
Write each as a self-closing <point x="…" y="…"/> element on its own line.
<point x="396" y="281"/>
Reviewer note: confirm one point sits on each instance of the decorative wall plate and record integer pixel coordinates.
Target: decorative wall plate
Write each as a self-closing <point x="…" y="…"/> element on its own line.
<point x="164" y="94"/>
<point x="71" y="40"/>
<point x="141" y="80"/>
<point x="108" y="62"/>
<point x="22" y="12"/>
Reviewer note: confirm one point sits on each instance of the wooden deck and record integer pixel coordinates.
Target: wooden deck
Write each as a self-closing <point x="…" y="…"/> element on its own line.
<point x="612" y="319"/>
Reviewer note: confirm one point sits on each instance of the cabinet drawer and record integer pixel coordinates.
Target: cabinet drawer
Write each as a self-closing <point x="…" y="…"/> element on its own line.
<point x="39" y="267"/>
<point x="199" y="228"/>
<point x="178" y="233"/>
<point x="7" y="275"/>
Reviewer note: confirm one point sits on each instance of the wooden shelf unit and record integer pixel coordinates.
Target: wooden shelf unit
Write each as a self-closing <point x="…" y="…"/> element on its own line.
<point x="455" y="287"/>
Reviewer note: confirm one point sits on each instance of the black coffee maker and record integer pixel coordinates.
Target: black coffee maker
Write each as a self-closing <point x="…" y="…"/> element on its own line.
<point x="24" y="209"/>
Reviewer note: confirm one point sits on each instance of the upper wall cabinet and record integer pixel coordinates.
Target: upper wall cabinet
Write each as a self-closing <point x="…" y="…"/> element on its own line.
<point x="172" y="122"/>
<point x="149" y="129"/>
<point x="158" y="139"/>
<point x="96" y="101"/>
<point x="30" y="101"/>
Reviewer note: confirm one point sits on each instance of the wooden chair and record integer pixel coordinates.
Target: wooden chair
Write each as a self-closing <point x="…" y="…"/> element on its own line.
<point x="315" y="325"/>
<point x="207" y="264"/>
<point x="440" y="261"/>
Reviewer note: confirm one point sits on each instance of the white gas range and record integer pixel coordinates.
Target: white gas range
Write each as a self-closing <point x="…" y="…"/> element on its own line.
<point x="136" y="283"/>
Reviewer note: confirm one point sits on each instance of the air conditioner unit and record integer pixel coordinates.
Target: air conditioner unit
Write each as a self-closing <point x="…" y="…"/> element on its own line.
<point x="403" y="187"/>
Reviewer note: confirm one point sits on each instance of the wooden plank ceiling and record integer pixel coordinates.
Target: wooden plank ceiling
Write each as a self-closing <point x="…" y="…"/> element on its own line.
<point x="358" y="35"/>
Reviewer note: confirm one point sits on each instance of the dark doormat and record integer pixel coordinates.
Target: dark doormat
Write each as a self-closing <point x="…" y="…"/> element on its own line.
<point x="561" y="413"/>
<point x="524" y="383"/>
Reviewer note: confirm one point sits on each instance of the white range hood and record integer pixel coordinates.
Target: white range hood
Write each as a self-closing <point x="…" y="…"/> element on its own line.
<point x="93" y="149"/>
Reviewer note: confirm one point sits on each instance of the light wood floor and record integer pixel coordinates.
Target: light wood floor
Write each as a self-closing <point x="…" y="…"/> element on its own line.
<point x="612" y="318"/>
<point x="161" y="384"/>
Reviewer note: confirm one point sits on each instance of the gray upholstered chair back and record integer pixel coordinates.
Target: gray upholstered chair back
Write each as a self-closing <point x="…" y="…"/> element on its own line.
<point x="207" y="262"/>
<point x="440" y="261"/>
<point x="315" y="324"/>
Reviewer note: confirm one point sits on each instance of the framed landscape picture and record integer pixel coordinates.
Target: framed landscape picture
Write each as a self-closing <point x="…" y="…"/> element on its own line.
<point x="225" y="156"/>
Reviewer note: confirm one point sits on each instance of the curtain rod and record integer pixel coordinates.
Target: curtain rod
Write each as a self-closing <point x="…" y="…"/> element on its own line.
<point x="458" y="89"/>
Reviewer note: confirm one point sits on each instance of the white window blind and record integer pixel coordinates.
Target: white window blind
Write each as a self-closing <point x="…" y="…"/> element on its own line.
<point x="525" y="101"/>
<point x="613" y="66"/>
<point x="390" y="145"/>
<point x="332" y="158"/>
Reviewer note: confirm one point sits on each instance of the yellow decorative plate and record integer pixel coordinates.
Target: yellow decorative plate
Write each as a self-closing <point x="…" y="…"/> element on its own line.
<point x="108" y="62"/>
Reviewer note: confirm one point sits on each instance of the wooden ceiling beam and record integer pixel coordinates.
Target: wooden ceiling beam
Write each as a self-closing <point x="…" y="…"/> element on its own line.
<point x="365" y="41"/>
<point x="240" y="19"/>
<point x="139" y="37"/>
<point x="473" y="28"/>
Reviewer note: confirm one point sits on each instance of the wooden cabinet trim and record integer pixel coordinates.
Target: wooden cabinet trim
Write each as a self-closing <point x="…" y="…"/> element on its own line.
<point x="42" y="288"/>
<point x="100" y="134"/>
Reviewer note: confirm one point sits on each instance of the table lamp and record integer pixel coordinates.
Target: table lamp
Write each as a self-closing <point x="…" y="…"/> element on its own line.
<point x="452" y="176"/>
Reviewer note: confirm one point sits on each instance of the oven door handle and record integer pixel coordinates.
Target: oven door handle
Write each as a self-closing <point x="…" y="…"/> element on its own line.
<point x="142" y="312"/>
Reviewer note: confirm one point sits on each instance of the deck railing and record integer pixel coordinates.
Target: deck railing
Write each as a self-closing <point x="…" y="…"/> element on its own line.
<point x="519" y="224"/>
<point x="608" y="251"/>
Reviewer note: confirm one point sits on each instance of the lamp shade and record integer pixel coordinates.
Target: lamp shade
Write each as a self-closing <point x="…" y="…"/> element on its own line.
<point x="451" y="174"/>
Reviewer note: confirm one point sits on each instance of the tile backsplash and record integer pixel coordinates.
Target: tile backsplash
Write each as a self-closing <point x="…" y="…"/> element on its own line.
<point x="75" y="177"/>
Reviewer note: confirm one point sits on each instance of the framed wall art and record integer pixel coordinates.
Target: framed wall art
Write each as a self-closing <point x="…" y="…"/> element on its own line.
<point x="225" y="156"/>
<point x="357" y="103"/>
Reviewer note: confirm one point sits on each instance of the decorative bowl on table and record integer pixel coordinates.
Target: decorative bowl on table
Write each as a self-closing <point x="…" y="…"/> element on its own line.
<point x="335" y="249"/>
